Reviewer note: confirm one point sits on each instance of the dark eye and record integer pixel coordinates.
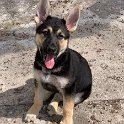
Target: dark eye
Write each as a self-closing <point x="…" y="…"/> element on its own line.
<point x="45" y="32"/>
<point x="60" y="36"/>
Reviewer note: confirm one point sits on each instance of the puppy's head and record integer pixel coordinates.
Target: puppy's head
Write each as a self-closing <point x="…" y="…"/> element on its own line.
<point x="52" y="33"/>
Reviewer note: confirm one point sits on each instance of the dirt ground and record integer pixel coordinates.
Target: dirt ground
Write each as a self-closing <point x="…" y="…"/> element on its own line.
<point x="99" y="38"/>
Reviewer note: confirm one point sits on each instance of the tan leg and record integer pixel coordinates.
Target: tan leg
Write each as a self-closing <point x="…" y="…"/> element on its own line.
<point x="53" y="106"/>
<point x="68" y="106"/>
<point x="40" y="95"/>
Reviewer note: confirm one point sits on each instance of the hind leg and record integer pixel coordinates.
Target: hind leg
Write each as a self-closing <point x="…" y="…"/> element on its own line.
<point x="53" y="106"/>
<point x="68" y="106"/>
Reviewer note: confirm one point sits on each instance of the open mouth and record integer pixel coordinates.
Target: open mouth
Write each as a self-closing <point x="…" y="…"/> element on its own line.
<point x="49" y="61"/>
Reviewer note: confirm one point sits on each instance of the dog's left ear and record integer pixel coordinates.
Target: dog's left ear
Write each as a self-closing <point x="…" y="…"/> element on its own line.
<point x="43" y="8"/>
<point x="73" y="18"/>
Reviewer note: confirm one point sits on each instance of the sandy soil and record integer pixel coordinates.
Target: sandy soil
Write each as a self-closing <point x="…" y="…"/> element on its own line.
<point x="99" y="38"/>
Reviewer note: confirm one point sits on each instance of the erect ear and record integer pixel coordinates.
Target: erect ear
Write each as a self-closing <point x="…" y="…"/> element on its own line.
<point x="43" y="8"/>
<point x="72" y="19"/>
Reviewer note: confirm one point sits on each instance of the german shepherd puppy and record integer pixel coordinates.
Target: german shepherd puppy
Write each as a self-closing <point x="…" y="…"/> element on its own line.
<point x="57" y="68"/>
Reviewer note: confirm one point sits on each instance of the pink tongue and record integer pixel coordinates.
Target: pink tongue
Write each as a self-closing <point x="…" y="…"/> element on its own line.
<point x="49" y="61"/>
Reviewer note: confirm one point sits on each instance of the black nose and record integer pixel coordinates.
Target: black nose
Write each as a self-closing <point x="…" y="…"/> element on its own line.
<point x="51" y="48"/>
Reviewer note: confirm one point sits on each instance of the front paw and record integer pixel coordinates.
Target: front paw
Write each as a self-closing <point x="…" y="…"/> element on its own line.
<point x="66" y="122"/>
<point x="51" y="110"/>
<point x="30" y="118"/>
<point x="62" y="122"/>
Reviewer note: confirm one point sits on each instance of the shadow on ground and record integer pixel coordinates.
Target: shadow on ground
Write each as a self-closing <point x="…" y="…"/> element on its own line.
<point x="14" y="103"/>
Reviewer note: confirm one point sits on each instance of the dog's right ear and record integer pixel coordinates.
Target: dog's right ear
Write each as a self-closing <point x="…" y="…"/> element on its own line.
<point x="43" y="8"/>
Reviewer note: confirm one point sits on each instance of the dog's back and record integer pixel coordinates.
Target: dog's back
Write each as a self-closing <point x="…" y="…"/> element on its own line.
<point x="80" y="77"/>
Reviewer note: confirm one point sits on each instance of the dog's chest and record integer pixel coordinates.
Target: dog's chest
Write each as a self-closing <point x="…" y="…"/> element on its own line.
<point x="58" y="81"/>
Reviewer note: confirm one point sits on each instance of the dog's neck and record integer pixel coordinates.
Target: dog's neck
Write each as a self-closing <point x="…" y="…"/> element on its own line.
<point x="60" y="63"/>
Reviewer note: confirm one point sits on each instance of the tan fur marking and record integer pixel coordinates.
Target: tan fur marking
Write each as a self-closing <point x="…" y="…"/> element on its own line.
<point x="60" y="32"/>
<point x="50" y="29"/>
<point x="40" y="39"/>
<point x="53" y="107"/>
<point x="68" y="105"/>
<point x="63" y="44"/>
